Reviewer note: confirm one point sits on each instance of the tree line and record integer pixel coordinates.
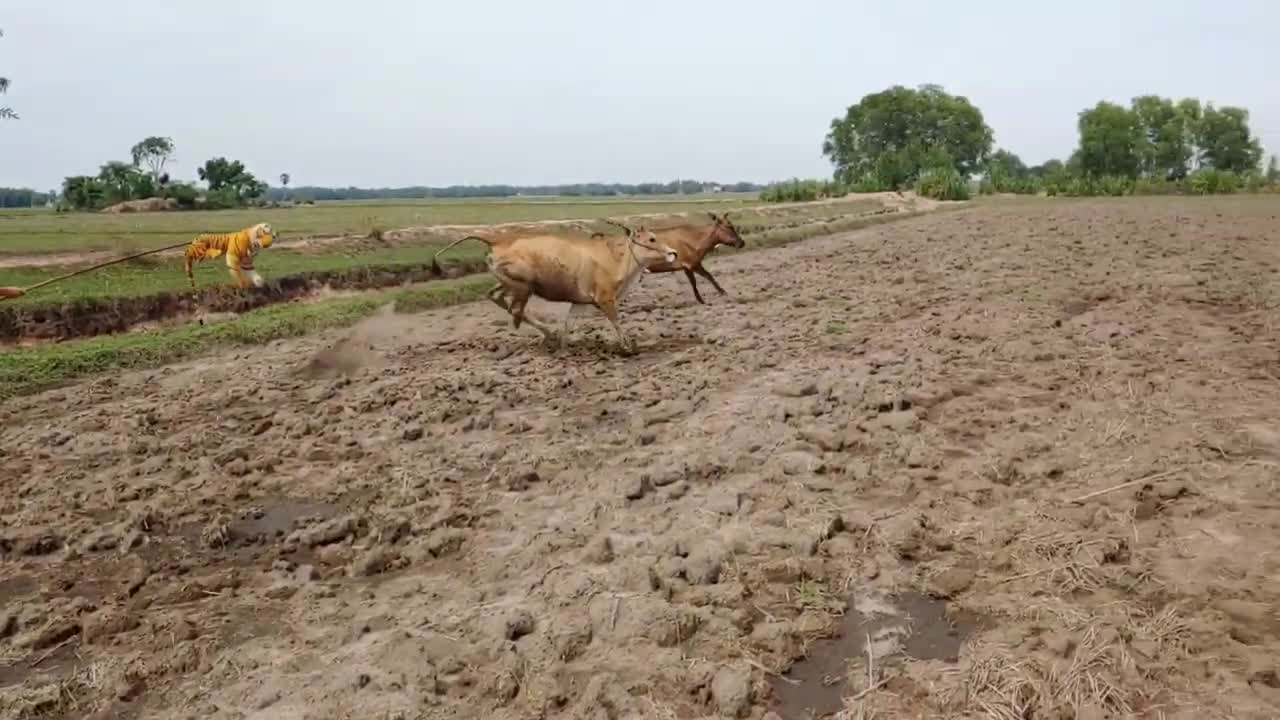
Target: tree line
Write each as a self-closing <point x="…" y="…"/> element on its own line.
<point x="417" y="192"/>
<point x="935" y="142"/>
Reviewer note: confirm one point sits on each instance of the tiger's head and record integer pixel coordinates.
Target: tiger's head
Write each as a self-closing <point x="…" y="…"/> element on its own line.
<point x="261" y="236"/>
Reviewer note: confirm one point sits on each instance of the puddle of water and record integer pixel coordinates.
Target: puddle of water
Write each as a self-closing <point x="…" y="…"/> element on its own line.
<point x="910" y="624"/>
<point x="276" y="519"/>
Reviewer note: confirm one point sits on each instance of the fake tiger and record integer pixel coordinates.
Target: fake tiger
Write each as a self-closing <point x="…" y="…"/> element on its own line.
<point x="239" y="249"/>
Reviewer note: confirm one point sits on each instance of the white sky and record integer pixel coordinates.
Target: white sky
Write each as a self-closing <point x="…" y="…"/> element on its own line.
<point x="394" y="92"/>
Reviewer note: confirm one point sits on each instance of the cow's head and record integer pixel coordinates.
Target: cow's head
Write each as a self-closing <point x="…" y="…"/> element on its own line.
<point x="723" y="232"/>
<point x="261" y="236"/>
<point x="648" y="251"/>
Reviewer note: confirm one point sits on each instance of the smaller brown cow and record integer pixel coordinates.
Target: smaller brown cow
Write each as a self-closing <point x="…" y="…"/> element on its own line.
<point x="692" y="243"/>
<point x="564" y="268"/>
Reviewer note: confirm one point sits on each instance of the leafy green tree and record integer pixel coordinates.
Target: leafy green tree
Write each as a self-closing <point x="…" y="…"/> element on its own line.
<point x="1111" y="141"/>
<point x="5" y="112"/>
<point x="889" y="137"/>
<point x="1168" y="135"/>
<point x="1006" y="164"/>
<point x="229" y="181"/>
<point x="154" y="153"/>
<point x="1226" y="142"/>
<point x="123" y="181"/>
<point x="83" y="192"/>
<point x="1273" y="170"/>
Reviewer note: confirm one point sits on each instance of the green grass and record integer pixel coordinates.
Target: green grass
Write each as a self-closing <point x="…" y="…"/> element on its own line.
<point x="26" y="232"/>
<point x="145" y="277"/>
<point x="27" y="370"/>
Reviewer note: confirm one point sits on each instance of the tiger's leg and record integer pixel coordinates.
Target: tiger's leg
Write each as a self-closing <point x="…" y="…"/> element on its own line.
<point x="233" y="265"/>
<point x="190" y="275"/>
<point x="246" y="266"/>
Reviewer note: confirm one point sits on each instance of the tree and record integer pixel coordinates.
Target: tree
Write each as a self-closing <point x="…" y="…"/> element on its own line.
<point x="1006" y="164"/>
<point x="1110" y="141"/>
<point x="1273" y="170"/>
<point x="229" y="181"/>
<point x="284" y="181"/>
<point x="83" y="192"/>
<point x="1168" y="135"/>
<point x="889" y="137"/>
<point x="153" y="152"/>
<point x="1050" y="168"/>
<point x="5" y="112"/>
<point x="123" y="181"/>
<point x="1226" y="142"/>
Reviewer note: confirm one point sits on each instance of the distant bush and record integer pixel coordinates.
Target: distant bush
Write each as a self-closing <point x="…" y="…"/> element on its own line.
<point x="184" y="193"/>
<point x="1206" y="181"/>
<point x="943" y="183"/>
<point x="223" y="198"/>
<point x="1213" y="182"/>
<point x="798" y="190"/>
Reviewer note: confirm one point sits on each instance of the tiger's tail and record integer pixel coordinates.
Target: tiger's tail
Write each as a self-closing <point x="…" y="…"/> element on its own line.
<point x="197" y="251"/>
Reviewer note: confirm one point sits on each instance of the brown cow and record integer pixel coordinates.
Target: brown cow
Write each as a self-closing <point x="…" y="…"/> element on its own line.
<point x="692" y="243"/>
<point x="560" y="268"/>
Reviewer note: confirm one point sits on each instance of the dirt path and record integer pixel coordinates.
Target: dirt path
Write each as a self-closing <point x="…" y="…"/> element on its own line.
<point x="880" y="432"/>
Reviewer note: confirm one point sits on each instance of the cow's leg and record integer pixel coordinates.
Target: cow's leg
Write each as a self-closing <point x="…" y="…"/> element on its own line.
<point x="519" y="299"/>
<point x="518" y="304"/>
<point x="703" y="272"/>
<point x="568" y="318"/>
<point x="512" y="280"/>
<point x="610" y="310"/>
<point x="694" y="284"/>
<point x="497" y="295"/>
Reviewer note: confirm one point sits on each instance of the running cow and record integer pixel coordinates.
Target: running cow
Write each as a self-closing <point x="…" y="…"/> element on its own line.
<point x="692" y="243"/>
<point x="594" y="271"/>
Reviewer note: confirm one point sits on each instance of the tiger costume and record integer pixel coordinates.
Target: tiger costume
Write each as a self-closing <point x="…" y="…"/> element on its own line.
<point x="239" y="248"/>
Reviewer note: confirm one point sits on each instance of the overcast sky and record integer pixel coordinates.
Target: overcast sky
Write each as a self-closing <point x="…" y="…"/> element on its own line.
<point x="435" y="92"/>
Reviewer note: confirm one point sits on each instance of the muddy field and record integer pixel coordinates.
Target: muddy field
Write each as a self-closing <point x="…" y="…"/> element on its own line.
<point x="1015" y="461"/>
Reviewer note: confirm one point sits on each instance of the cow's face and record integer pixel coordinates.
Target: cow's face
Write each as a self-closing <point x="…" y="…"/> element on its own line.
<point x="649" y="251"/>
<point x="723" y="231"/>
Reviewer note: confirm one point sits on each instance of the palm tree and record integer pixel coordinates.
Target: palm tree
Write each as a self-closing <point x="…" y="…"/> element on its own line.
<point x="4" y="87"/>
<point x="284" y="182"/>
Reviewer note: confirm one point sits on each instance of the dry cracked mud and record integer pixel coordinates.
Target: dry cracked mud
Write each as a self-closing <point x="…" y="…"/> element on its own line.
<point x="871" y="458"/>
